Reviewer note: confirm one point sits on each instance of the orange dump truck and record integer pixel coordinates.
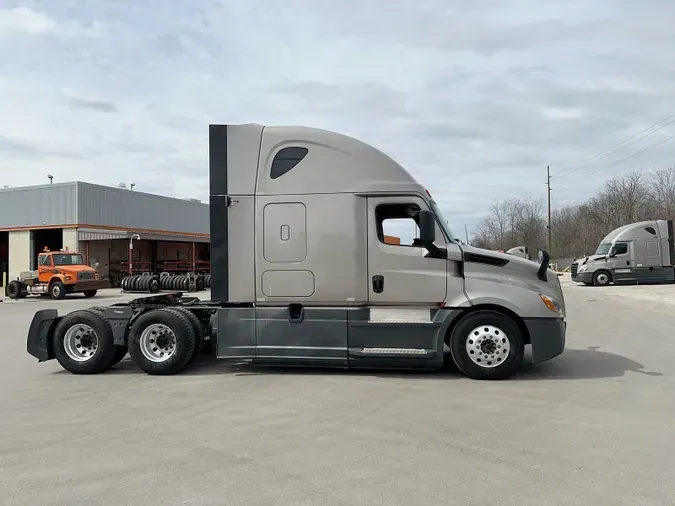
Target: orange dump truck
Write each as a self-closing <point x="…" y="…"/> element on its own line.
<point x="59" y="273"/>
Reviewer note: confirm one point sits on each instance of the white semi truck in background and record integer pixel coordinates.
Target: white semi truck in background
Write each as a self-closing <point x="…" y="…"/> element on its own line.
<point x="641" y="252"/>
<point x="302" y="275"/>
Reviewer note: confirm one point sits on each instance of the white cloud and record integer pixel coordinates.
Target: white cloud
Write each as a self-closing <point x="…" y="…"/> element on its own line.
<point x="558" y="113"/>
<point x="474" y="98"/>
<point x="26" y="21"/>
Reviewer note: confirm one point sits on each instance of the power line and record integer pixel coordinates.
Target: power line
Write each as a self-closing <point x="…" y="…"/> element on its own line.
<point x="618" y="161"/>
<point x="622" y="145"/>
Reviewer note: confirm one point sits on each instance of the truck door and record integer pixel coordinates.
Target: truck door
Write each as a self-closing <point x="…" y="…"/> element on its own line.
<point x="400" y="328"/>
<point x="398" y="271"/>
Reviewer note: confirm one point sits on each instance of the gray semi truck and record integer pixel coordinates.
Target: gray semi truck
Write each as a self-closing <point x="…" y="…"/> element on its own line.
<point x="302" y="275"/>
<point x="640" y="252"/>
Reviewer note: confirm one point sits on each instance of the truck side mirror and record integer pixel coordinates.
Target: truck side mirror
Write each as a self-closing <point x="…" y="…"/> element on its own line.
<point x="427" y="224"/>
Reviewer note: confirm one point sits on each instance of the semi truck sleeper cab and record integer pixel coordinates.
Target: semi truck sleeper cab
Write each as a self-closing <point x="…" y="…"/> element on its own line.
<point x="302" y="275"/>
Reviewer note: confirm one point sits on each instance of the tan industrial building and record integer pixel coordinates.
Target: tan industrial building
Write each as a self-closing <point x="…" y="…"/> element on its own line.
<point x="169" y="234"/>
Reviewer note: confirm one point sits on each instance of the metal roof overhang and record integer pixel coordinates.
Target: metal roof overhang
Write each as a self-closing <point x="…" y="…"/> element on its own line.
<point x="88" y="234"/>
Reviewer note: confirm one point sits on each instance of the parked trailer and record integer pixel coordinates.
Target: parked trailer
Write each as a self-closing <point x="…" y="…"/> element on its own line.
<point x="302" y="275"/>
<point x="637" y="253"/>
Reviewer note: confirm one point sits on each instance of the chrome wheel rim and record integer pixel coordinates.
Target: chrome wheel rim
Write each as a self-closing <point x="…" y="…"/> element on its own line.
<point x="80" y="342"/>
<point x="157" y="343"/>
<point x="488" y="346"/>
<point x="602" y="278"/>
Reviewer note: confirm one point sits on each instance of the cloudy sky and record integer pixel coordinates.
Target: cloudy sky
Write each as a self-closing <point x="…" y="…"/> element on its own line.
<point x="474" y="97"/>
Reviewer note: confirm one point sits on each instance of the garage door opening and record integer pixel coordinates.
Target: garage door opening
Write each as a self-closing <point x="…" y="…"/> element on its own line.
<point x="51" y="238"/>
<point x="4" y="256"/>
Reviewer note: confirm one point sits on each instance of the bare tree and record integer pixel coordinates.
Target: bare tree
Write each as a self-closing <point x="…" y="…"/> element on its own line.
<point x="577" y="230"/>
<point x="663" y="192"/>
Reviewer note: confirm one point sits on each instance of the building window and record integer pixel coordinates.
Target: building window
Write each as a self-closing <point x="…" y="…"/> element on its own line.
<point x="397" y="224"/>
<point x="286" y="159"/>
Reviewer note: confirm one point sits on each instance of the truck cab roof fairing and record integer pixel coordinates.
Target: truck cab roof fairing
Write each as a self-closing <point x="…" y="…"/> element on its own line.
<point x="332" y="163"/>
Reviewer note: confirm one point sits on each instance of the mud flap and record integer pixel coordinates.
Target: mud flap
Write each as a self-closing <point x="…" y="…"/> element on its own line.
<point x="40" y="332"/>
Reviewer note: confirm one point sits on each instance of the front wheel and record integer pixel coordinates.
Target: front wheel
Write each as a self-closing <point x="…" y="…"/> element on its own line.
<point x="602" y="278"/>
<point x="487" y="345"/>
<point x="90" y="293"/>
<point x="57" y="290"/>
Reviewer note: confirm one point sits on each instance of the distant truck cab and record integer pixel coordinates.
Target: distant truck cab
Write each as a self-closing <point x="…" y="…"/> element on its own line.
<point x="637" y="253"/>
<point x="59" y="273"/>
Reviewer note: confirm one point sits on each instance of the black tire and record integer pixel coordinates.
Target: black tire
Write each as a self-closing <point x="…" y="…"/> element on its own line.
<point x="120" y="349"/>
<point x="57" y="290"/>
<point x="602" y="278"/>
<point x="185" y="341"/>
<point x="199" y="284"/>
<point x="186" y="284"/>
<point x="120" y="353"/>
<point x="197" y="327"/>
<point x="497" y="327"/>
<point x="123" y="284"/>
<point x="90" y="293"/>
<point x="102" y="357"/>
<point x="14" y="289"/>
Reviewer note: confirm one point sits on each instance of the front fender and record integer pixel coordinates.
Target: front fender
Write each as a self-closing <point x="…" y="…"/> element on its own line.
<point x="523" y="300"/>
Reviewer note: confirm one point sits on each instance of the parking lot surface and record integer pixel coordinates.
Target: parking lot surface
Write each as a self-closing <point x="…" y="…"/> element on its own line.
<point x="594" y="426"/>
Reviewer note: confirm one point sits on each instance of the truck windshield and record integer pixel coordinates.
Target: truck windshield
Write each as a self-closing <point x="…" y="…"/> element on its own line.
<point x="68" y="259"/>
<point x="443" y="223"/>
<point x="603" y="249"/>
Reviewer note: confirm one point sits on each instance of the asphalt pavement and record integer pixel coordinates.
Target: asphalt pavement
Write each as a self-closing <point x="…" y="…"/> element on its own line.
<point x="594" y="426"/>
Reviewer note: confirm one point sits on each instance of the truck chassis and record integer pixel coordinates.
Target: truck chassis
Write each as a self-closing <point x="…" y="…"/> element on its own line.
<point x="165" y="333"/>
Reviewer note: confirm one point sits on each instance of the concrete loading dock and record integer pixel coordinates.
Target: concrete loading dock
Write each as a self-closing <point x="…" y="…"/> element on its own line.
<point x="99" y="221"/>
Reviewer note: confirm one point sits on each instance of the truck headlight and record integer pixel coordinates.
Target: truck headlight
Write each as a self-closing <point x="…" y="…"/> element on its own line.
<point x="583" y="268"/>
<point x="551" y="303"/>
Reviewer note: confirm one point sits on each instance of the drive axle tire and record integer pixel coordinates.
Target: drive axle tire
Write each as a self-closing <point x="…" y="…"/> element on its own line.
<point x="14" y="290"/>
<point x="120" y="349"/>
<point x="83" y="342"/>
<point x="487" y="345"/>
<point x="162" y="341"/>
<point x="602" y="278"/>
<point x="197" y="327"/>
<point x="90" y="293"/>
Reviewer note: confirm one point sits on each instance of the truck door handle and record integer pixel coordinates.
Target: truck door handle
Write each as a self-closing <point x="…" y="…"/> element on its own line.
<point x="378" y="283"/>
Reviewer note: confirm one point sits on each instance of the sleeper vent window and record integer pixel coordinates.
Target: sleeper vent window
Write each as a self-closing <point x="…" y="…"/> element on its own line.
<point x="286" y="159"/>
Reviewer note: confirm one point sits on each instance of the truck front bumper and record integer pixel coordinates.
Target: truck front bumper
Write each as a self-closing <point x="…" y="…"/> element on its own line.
<point x="85" y="286"/>
<point x="582" y="277"/>
<point x="547" y="336"/>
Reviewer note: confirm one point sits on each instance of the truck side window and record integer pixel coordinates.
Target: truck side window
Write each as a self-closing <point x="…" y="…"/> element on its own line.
<point x="43" y="260"/>
<point x="650" y="230"/>
<point x="397" y="224"/>
<point x="620" y="248"/>
<point x="286" y="159"/>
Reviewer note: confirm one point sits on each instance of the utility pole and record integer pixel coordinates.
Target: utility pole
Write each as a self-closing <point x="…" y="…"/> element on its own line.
<point x="548" y="191"/>
<point x="466" y="233"/>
